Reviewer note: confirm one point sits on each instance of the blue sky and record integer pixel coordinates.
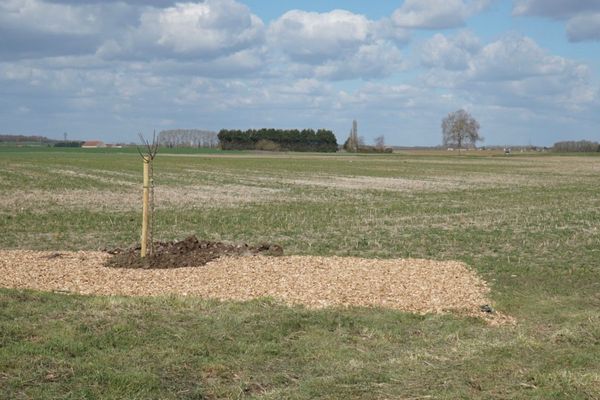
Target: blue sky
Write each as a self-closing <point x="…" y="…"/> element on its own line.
<point x="527" y="70"/>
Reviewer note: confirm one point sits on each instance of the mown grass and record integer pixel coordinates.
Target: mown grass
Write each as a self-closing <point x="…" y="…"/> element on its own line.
<point x="528" y="225"/>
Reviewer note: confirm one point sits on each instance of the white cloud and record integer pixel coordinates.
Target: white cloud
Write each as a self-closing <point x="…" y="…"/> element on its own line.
<point x="450" y="53"/>
<point x="436" y="14"/>
<point x="385" y="28"/>
<point x="513" y="71"/>
<point x="375" y="60"/>
<point x="204" y="31"/>
<point x="50" y="18"/>
<point x="336" y="45"/>
<point x="242" y="64"/>
<point x="312" y="37"/>
<point x="559" y="9"/>
<point x="34" y="28"/>
<point x="512" y="57"/>
<point x="515" y="57"/>
<point x="211" y="38"/>
<point x="214" y="27"/>
<point x="582" y="16"/>
<point x="584" y="27"/>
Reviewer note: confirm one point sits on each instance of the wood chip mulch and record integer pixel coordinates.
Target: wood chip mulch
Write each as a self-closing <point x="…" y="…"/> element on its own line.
<point x="413" y="285"/>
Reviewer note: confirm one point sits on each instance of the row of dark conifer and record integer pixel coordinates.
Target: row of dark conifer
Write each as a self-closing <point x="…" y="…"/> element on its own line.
<point x="321" y="140"/>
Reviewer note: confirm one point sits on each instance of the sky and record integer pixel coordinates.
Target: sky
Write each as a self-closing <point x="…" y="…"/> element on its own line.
<point x="527" y="70"/>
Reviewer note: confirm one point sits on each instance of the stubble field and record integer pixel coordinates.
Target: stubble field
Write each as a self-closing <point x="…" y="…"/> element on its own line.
<point x="528" y="225"/>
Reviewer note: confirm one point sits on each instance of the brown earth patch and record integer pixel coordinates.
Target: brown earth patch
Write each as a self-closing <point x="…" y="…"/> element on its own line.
<point x="189" y="252"/>
<point x="411" y="285"/>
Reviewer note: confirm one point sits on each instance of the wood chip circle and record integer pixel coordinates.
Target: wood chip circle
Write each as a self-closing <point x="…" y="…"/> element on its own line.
<point x="412" y="285"/>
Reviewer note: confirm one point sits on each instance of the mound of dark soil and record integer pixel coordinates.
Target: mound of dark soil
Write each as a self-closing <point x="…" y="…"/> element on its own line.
<point x="189" y="252"/>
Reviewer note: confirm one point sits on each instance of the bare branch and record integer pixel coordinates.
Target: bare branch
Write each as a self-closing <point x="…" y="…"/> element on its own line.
<point x="151" y="148"/>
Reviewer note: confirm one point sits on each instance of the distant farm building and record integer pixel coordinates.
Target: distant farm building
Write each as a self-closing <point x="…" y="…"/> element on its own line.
<point x="92" y="144"/>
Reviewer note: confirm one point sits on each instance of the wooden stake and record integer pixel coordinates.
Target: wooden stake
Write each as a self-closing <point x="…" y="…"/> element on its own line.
<point x="145" y="207"/>
<point x="147" y="156"/>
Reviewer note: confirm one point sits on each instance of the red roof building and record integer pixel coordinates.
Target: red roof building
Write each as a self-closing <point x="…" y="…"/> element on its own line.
<point x="92" y="144"/>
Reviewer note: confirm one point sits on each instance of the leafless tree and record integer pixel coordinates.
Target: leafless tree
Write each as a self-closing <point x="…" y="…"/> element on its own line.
<point x="352" y="143"/>
<point x="380" y="143"/>
<point x="459" y="128"/>
<point x="188" y="138"/>
<point x="576" y="146"/>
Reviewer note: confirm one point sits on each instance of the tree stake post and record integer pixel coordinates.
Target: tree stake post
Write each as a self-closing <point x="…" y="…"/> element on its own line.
<point x="148" y="189"/>
<point x="145" y="207"/>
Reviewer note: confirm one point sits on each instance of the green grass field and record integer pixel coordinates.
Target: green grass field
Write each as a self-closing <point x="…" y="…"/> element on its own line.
<point x="529" y="224"/>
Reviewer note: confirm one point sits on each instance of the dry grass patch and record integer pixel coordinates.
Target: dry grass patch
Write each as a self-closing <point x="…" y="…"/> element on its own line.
<point x="42" y="200"/>
<point x="439" y="183"/>
<point x="167" y="197"/>
<point x="226" y="195"/>
<point x="108" y="177"/>
<point x="412" y="285"/>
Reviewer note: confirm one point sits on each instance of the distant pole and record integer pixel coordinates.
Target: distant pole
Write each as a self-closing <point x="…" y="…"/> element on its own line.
<point x="65" y="136"/>
<point x="354" y="136"/>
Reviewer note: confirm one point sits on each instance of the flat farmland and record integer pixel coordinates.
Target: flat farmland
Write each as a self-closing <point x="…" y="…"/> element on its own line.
<point x="529" y="225"/>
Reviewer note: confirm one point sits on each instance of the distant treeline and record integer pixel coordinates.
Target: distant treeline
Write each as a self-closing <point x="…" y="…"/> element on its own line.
<point x="372" y="149"/>
<point x="360" y="147"/>
<point x="278" y="140"/>
<point x="71" y="143"/>
<point x="576" y="146"/>
<point x="25" y="138"/>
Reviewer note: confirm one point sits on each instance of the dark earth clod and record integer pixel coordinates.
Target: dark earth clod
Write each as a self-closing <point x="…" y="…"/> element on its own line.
<point x="190" y="252"/>
<point x="486" y="308"/>
<point x="54" y="255"/>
